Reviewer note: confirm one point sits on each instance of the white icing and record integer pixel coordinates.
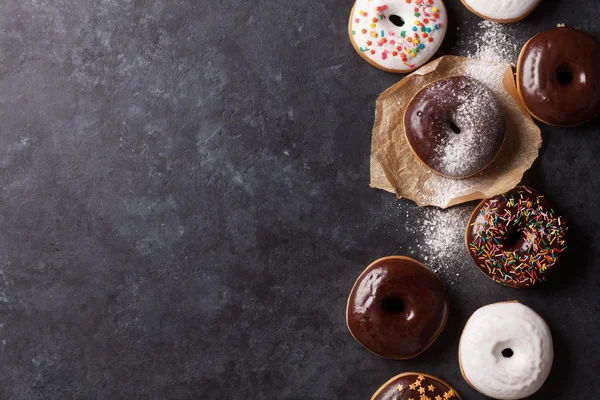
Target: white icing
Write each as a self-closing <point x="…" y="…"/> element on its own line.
<point x="494" y="328"/>
<point x="373" y="32"/>
<point x="502" y="10"/>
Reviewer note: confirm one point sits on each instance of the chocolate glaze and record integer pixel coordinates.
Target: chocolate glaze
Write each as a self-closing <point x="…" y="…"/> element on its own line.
<point x="516" y="237"/>
<point x="415" y="386"/>
<point x="455" y="126"/>
<point x="559" y="77"/>
<point x="397" y="308"/>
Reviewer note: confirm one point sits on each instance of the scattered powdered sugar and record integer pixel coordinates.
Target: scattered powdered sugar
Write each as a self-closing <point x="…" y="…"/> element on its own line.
<point x="490" y="75"/>
<point x="441" y="190"/>
<point x="479" y="119"/>
<point x="439" y="237"/>
<point x="492" y="41"/>
<point x="458" y="155"/>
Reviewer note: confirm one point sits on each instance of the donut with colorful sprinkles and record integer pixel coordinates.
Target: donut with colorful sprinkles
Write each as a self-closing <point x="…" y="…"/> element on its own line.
<point x="415" y="386"/>
<point x="516" y="238"/>
<point x="397" y="35"/>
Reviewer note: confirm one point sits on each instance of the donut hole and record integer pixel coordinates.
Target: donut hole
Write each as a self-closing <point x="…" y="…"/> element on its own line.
<point x="513" y="238"/>
<point x="454" y="127"/>
<point x="564" y="76"/>
<point x="396" y="20"/>
<point x="392" y="303"/>
<point x="504" y="352"/>
<point x="507" y="353"/>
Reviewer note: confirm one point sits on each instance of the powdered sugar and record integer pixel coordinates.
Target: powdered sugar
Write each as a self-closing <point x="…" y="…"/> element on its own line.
<point x="492" y="41"/>
<point x="440" y="190"/>
<point x="455" y="126"/>
<point x="439" y="237"/>
<point x="458" y="155"/>
<point x="477" y="116"/>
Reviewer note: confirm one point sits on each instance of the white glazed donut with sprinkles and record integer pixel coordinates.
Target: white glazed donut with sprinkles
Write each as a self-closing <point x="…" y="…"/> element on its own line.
<point x="397" y="35"/>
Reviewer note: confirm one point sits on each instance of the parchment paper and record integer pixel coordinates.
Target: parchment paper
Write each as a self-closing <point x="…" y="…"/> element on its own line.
<point x="395" y="168"/>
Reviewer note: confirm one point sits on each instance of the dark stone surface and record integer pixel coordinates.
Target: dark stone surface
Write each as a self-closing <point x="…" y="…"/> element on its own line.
<point x="185" y="205"/>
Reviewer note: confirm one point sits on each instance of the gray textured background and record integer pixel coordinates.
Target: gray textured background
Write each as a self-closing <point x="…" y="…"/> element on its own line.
<point x="184" y="204"/>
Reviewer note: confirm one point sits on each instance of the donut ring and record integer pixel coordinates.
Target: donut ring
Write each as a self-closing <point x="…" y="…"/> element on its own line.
<point x="506" y="351"/>
<point x="557" y="77"/>
<point x="397" y="35"/>
<point x="455" y="126"/>
<point x="397" y="308"/>
<point x="415" y="385"/>
<point x="516" y="238"/>
<point x="501" y="10"/>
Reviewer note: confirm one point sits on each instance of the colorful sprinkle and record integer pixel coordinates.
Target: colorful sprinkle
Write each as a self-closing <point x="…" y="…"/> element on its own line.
<point x="521" y="211"/>
<point x="426" y="21"/>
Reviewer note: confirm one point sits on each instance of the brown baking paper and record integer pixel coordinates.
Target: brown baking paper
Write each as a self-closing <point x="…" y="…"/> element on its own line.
<point x="395" y="168"/>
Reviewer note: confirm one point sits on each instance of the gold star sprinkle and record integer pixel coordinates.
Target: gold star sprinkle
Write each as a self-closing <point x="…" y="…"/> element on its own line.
<point x="420" y="377"/>
<point x="412" y="387"/>
<point x="425" y="397"/>
<point x="430" y="388"/>
<point x="400" y="388"/>
<point x="438" y="397"/>
<point x="417" y="383"/>
<point x="449" y="394"/>
<point x="421" y="390"/>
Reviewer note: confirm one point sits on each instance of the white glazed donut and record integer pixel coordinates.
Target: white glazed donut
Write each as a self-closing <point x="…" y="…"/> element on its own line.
<point x="397" y="35"/>
<point x="501" y="10"/>
<point x="505" y="351"/>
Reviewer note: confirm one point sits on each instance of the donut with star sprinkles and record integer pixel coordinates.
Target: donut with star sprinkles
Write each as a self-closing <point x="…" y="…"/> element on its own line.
<point x="415" y="386"/>
<point x="516" y="238"/>
<point x="397" y="35"/>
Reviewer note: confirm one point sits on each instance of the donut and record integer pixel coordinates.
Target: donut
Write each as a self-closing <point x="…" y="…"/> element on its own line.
<point x="415" y="386"/>
<point x="455" y="126"/>
<point x="501" y="10"/>
<point x="397" y="308"/>
<point x="516" y="238"/>
<point x="397" y="35"/>
<point x="505" y="351"/>
<point x="558" y="77"/>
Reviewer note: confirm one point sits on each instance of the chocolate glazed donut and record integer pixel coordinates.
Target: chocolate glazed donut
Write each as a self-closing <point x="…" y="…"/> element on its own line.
<point x="558" y="77"/>
<point x="416" y="386"/>
<point x="516" y="238"/>
<point x="455" y="126"/>
<point x="397" y="308"/>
